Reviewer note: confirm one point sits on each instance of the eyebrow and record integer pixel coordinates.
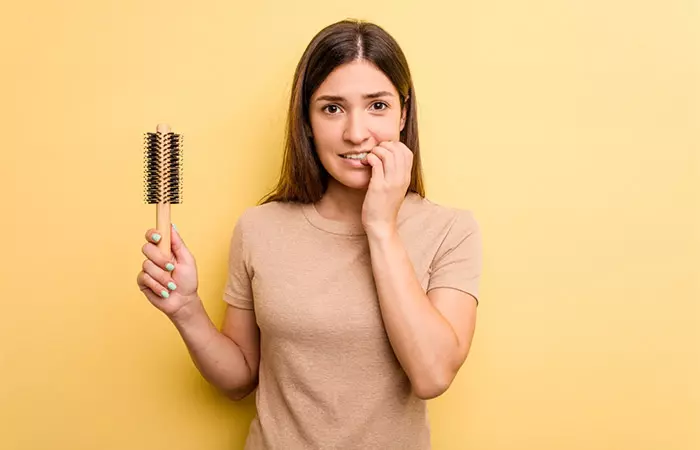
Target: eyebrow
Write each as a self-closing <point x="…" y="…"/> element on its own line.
<point x="335" y="98"/>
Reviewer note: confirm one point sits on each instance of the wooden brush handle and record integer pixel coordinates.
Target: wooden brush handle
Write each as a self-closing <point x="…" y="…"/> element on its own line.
<point x="163" y="209"/>
<point x="163" y="227"/>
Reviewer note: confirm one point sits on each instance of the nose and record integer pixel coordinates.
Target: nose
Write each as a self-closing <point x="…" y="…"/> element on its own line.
<point x="356" y="130"/>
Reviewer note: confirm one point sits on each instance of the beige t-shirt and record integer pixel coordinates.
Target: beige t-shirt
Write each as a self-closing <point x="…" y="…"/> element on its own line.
<point x="328" y="376"/>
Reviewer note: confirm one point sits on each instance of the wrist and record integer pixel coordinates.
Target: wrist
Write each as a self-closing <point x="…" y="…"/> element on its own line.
<point x="190" y="310"/>
<point x="381" y="231"/>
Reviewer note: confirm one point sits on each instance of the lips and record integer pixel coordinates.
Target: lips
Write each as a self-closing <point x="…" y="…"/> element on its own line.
<point x="355" y="156"/>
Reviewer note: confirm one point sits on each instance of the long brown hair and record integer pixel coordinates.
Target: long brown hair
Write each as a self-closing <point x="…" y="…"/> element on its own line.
<point x="303" y="178"/>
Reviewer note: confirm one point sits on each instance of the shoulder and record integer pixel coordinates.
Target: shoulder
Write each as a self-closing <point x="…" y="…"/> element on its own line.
<point x="425" y="214"/>
<point x="259" y="219"/>
<point x="269" y="214"/>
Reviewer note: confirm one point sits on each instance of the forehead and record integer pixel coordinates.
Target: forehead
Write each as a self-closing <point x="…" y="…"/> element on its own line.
<point x="355" y="79"/>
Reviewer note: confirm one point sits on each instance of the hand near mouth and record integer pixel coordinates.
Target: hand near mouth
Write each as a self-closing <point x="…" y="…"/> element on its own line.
<point x="391" y="164"/>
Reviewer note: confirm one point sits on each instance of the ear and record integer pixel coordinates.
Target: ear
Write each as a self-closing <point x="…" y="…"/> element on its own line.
<point x="403" y="114"/>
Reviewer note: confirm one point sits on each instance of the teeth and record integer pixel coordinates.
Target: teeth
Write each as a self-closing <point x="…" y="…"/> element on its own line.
<point x="355" y="156"/>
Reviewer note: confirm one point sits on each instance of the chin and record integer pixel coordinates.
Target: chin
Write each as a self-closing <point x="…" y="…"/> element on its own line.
<point x="354" y="180"/>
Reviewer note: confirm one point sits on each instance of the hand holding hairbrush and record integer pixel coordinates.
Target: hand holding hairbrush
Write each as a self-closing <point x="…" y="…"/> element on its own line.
<point x="169" y="274"/>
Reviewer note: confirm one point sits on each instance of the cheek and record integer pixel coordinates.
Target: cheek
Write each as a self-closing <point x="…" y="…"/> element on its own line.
<point x="387" y="129"/>
<point x="324" y="142"/>
<point x="324" y="131"/>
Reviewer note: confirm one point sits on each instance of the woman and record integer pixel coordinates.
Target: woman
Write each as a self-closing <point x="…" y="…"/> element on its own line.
<point x="351" y="298"/>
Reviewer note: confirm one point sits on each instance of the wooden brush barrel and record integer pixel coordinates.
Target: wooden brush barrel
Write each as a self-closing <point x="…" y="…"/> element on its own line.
<point x="163" y="209"/>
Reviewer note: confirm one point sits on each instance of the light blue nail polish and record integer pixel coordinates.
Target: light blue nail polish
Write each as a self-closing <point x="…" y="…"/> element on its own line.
<point x="164" y="294"/>
<point x="156" y="237"/>
<point x="169" y="267"/>
<point x="172" y="286"/>
<point x="174" y="226"/>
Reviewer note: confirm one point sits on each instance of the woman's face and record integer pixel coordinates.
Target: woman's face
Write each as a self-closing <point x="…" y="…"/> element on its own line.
<point x="353" y="110"/>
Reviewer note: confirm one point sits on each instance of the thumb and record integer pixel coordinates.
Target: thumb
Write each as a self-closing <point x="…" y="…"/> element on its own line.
<point x="178" y="247"/>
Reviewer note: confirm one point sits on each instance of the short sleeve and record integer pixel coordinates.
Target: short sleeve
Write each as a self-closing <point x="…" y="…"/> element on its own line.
<point x="458" y="262"/>
<point x="238" y="290"/>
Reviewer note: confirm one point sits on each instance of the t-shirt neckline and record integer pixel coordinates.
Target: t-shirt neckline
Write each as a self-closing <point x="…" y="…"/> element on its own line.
<point x="342" y="227"/>
<point x="329" y="225"/>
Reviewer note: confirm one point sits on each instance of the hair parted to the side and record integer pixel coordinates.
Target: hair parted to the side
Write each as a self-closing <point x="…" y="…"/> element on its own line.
<point x="303" y="178"/>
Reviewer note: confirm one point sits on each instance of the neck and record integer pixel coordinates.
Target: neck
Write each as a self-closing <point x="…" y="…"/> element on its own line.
<point x="341" y="203"/>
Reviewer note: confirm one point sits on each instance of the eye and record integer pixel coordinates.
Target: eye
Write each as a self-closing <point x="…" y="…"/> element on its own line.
<point x="331" y="109"/>
<point x="379" y="106"/>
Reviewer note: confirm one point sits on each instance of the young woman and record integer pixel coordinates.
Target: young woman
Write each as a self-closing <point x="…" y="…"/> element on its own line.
<point x="351" y="298"/>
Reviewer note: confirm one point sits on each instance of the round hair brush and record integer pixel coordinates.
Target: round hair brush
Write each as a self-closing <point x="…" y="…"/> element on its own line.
<point x="163" y="178"/>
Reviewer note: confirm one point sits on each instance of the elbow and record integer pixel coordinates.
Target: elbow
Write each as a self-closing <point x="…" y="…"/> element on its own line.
<point x="431" y="385"/>
<point x="238" y="394"/>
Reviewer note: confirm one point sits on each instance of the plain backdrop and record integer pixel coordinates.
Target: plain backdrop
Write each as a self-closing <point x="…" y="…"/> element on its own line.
<point x="569" y="128"/>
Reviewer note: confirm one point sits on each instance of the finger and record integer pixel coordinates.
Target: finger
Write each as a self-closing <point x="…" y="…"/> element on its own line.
<point x="399" y="161"/>
<point x="377" y="169"/>
<point x="365" y="161"/>
<point x="408" y="159"/>
<point x="152" y="252"/>
<point x="153" y="235"/>
<point x="153" y="298"/>
<point x="388" y="162"/>
<point x="407" y="151"/>
<point x="158" y="274"/>
<point x="156" y="288"/>
<point x="177" y="245"/>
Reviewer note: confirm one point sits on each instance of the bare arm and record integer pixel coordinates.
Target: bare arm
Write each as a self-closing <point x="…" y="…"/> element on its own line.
<point x="430" y="334"/>
<point x="228" y="359"/>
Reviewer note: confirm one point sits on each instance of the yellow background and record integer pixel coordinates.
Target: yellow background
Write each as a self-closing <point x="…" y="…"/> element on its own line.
<point x="569" y="128"/>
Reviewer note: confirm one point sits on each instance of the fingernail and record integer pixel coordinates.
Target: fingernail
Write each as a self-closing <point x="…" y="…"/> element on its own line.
<point x="155" y="237"/>
<point x="174" y="226"/>
<point x="164" y="294"/>
<point x="169" y="267"/>
<point x="172" y="286"/>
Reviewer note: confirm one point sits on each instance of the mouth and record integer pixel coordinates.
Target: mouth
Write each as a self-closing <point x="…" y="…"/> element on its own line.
<point x="355" y="156"/>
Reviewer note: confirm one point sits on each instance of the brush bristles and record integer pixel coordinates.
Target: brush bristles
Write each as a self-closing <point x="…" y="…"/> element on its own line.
<point x="162" y="168"/>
